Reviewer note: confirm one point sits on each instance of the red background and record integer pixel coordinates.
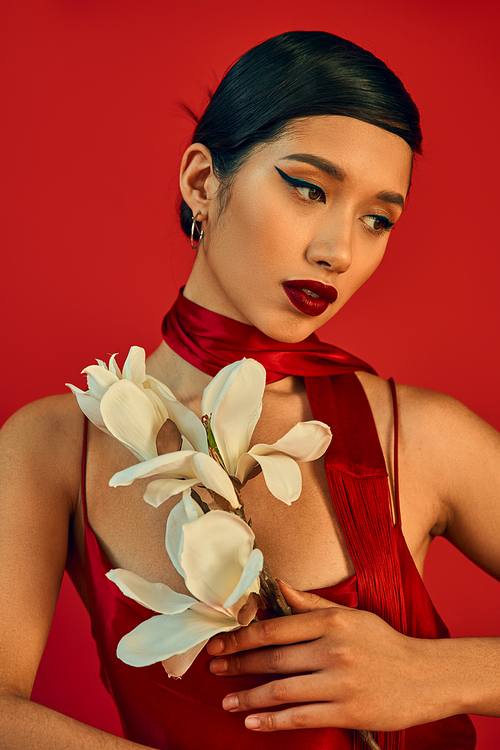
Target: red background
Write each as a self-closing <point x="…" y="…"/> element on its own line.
<point x="93" y="257"/>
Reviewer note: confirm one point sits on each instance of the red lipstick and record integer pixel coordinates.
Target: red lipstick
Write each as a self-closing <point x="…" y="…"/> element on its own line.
<point x="310" y="297"/>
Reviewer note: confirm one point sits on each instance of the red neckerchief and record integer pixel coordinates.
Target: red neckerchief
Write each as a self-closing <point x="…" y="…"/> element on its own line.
<point x="210" y="341"/>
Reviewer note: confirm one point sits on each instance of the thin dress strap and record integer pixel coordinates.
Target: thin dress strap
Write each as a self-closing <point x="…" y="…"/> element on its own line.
<point x="84" y="470"/>
<point x="396" y="451"/>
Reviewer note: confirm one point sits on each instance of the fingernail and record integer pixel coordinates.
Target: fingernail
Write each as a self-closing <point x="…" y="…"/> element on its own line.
<point x="252" y="722"/>
<point x="230" y="702"/>
<point x="280" y="581"/>
<point x="217" y="666"/>
<point x="216" y="646"/>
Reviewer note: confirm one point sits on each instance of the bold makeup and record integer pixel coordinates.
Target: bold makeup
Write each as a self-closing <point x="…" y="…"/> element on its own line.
<point x="302" y="184"/>
<point x="310" y="297"/>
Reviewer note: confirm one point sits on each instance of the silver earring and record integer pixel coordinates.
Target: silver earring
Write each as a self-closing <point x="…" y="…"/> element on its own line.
<point x="200" y="232"/>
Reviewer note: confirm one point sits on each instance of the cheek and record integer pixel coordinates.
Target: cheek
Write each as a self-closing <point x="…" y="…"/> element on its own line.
<point x="259" y="239"/>
<point x="364" y="266"/>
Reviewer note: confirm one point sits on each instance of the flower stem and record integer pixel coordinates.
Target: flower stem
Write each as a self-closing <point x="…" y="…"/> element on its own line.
<point x="368" y="738"/>
<point x="213" y="448"/>
<point x="272" y="593"/>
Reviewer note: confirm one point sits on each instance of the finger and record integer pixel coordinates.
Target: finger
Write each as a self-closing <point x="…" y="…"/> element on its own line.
<point x="292" y="659"/>
<point x="296" y="689"/>
<point x="313" y="715"/>
<point x="278" y="631"/>
<point x="303" y="601"/>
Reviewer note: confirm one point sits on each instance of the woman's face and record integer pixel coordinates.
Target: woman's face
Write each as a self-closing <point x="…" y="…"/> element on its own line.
<point x="307" y="223"/>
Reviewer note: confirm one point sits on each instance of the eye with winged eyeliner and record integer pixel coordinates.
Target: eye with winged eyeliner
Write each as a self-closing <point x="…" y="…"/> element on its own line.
<point x="304" y="185"/>
<point x="335" y="171"/>
<point x="386" y="225"/>
<point x="378" y="219"/>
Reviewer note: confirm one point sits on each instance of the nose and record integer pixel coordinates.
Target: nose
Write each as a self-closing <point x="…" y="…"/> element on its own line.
<point x="331" y="247"/>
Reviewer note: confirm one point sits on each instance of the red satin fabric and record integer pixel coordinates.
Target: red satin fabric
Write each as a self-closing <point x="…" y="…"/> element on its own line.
<point x="210" y="341"/>
<point x="186" y="714"/>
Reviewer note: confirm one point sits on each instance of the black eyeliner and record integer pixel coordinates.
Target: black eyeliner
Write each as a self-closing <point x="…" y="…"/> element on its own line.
<point x="388" y="224"/>
<point x="296" y="182"/>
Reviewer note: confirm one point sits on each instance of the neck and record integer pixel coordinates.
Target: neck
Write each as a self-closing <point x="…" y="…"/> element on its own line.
<point x="202" y="289"/>
<point x="207" y="341"/>
<point x="188" y="383"/>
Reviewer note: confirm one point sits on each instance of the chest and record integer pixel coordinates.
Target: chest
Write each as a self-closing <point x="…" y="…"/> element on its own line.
<point x="302" y="543"/>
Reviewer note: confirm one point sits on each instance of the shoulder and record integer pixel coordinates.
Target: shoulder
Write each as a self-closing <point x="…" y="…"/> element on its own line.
<point x="443" y="426"/>
<point x="449" y="468"/>
<point x="45" y="438"/>
<point x="424" y="412"/>
<point x="441" y="441"/>
<point x="438" y="436"/>
<point x="55" y="418"/>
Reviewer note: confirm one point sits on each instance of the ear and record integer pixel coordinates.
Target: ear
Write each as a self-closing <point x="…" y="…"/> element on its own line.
<point x="197" y="181"/>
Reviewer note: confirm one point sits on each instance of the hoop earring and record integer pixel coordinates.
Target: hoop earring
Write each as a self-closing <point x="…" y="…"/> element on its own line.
<point x="200" y="232"/>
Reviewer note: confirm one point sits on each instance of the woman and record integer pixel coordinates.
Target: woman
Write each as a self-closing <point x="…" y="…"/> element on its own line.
<point x="297" y="172"/>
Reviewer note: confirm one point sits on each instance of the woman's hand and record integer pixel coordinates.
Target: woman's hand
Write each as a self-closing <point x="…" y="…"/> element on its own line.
<point x="350" y="669"/>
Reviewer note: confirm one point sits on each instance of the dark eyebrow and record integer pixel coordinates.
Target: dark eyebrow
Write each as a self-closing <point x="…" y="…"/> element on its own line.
<point x="388" y="197"/>
<point x="315" y="161"/>
<point x="335" y="171"/>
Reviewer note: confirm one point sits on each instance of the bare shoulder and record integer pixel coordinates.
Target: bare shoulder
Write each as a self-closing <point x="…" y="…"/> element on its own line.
<point x="426" y="415"/>
<point x="449" y="470"/>
<point x="45" y="414"/>
<point x="44" y="437"/>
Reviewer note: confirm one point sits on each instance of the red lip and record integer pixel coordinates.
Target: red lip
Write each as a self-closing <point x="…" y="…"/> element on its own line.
<point x="303" y="302"/>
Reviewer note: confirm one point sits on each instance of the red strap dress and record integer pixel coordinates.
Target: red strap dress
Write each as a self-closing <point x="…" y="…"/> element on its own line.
<point x="186" y="714"/>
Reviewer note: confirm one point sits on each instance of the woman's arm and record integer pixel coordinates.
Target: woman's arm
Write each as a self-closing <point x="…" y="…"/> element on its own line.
<point x="40" y="459"/>
<point x="362" y="673"/>
<point x="455" y="458"/>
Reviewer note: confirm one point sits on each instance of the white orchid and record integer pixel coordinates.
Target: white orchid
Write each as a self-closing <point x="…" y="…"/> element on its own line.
<point x="230" y="408"/>
<point x="214" y="554"/>
<point x="129" y="405"/>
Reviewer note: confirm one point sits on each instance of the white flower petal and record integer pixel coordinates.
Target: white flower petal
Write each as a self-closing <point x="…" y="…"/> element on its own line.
<point x="176" y="465"/>
<point x="213" y="477"/>
<point x="246" y="464"/>
<point x="236" y="408"/>
<point x="99" y="380"/>
<point x="135" y="365"/>
<point x="90" y="406"/>
<point x="188" y="425"/>
<point x="155" y="596"/>
<point x="157" y="403"/>
<point x="282" y="476"/>
<point x="223" y="379"/>
<point x="215" y="551"/>
<point x="131" y="417"/>
<point x="186" y="445"/>
<point x="179" y="664"/>
<point x="161" y="390"/>
<point x="306" y="441"/>
<point x="185" y="510"/>
<point x="160" y="490"/>
<point x="113" y="367"/>
<point x="191" y="507"/>
<point x="163" y="636"/>
<point x="249" y="578"/>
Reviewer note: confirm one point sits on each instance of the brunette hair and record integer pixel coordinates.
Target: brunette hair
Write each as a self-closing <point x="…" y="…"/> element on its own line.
<point x="293" y="75"/>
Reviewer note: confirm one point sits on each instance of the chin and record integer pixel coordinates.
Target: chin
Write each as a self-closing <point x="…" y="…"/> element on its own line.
<point x="289" y="333"/>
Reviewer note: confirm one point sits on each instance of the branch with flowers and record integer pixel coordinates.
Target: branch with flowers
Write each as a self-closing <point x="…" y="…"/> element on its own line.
<point x="211" y="544"/>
